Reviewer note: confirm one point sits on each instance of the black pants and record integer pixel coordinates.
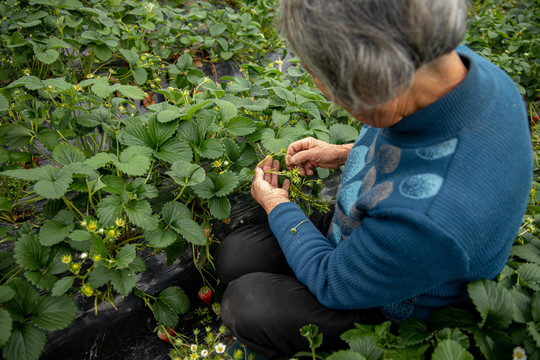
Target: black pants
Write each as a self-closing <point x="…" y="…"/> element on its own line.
<point x="264" y="304"/>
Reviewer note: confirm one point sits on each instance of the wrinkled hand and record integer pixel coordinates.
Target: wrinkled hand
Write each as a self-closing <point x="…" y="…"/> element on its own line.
<point x="264" y="187"/>
<point x="308" y="153"/>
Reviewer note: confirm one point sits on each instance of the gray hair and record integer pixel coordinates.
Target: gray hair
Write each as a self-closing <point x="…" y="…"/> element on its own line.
<point x="365" y="52"/>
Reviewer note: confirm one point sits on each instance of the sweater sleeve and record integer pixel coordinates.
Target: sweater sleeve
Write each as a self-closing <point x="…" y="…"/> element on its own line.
<point x="390" y="257"/>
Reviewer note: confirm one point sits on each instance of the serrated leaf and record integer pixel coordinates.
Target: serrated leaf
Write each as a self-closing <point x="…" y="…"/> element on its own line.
<point x="217" y="29"/>
<point x="66" y="154"/>
<point x="492" y="302"/>
<point x="42" y="280"/>
<point x="164" y="314"/>
<point x="30" y="82"/>
<point x="227" y="110"/>
<point x="210" y="148"/>
<point x="55" y="182"/>
<point x="257" y="105"/>
<point x="529" y="252"/>
<point x="100" y="276"/>
<point x="133" y="161"/>
<point x="225" y="183"/>
<point x="175" y="298"/>
<point x="178" y="216"/>
<point x="99" y="160"/>
<point x="186" y="174"/>
<point x="450" y="350"/>
<point x="173" y="150"/>
<point x="80" y="235"/>
<point x="345" y="355"/>
<point x="125" y="256"/>
<point x="414" y="331"/>
<point x="54" y="313"/>
<point x="131" y="92"/>
<point x="284" y="94"/>
<point x="4" y="104"/>
<point x="530" y="273"/>
<point x="140" y="75"/>
<point x="160" y="238"/>
<point x="109" y="209"/>
<point x="6" y="293"/>
<point x="342" y="133"/>
<point x="169" y="114"/>
<point x="160" y="132"/>
<point x="62" y="285"/>
<point x="494" y="344"/>
<point x="28" y="253"/>
<point x="131" y="56"/>
<point x="240" y="126"/>
<point x="46" y="56"/>
<point x="123" y="280"/>
<point x="220" y="207"/>
<point x="5" y="326"/>
<point x="53" y="232"/>
<point x="26" y="343"/>
<point x="135" y="135"/>
<point x="139" y="213"/>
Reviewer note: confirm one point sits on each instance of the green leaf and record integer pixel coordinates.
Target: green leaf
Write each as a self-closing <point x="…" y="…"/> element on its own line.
<point x="100" y="276"/>
<point x="80" y="235"/>
<point x="186" y="174"/>
<point x="284" y="94"/>
<point x="173" y="150"/>
<point x="125" y="256"/>
<point x="217" y="29"/>
<point x="210" y="148"/>
<point x="225" y="183"/>
<point x="178" y="216"/>
<point x="175" y="298"/>
<point x="169" y="114"/>
<point x="492" y="302"/>
<point x="55" y="184"/>
<point x="453" y="318"/>
<point x="164" y="314"/>
<point x="160" y="132"/>
<point x="6" y="293"/>
<point x="103" y="52"/>
<point x="54" y="312"/>
<point x="220" y="207"/>
<point x="53" y="232"/>
<point x="227" y="110"/>
<point x="109" y="209"/>
<point x="160" y="238"/>
<point x="4" y="104"/>
<point x="414" y="331"/>
<point x="135" y="135"/>
<point x="5" y="204"/>
<point x="49" y="138"/>
<point x="42" y="279"/>
<point x="530" y="274"/>
<point x="30" y="82"/>
<point x="131" y="92"/>
<point x="363" y="342"/>
<point x="29" y="253"/>
<point x="535" y="307"/>
<point x="99" y="160"/>
<point x="257" y="105"/>
<point x="139" y="213"/>
<point x="494" y="344"/>
<point x="529" y="252"/>
<point x="46" y="56"/>
<point x="240" y="126"/>
<point x="133" y="161"/>
<point x="114" y="184"/>
<point x="342" y="134"/>
<point x="450" y="350"/>
<point x="131" y="56"/>
<point x="140" y="75"/>
<point x="275" y="142"/>
<point x="62" y="285"/>
<point x="123" y="280"/>
<point x="26" y="343"/>
<point x="345" y="355"/>
<point x="5" y="326"/>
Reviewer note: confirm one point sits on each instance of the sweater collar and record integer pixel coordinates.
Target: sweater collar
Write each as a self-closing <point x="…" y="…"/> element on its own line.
<point x="451" y="113"/>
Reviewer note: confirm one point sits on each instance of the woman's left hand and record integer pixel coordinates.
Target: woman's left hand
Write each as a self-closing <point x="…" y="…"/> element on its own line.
<point x="264" y="187"/>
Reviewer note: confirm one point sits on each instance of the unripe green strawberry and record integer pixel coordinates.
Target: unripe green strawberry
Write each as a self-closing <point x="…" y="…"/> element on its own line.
<point x="216" y="308"/>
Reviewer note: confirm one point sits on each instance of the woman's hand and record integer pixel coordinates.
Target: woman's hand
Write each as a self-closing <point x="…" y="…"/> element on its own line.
<point x="264" y="187"/>
<point x="309" y="153"/>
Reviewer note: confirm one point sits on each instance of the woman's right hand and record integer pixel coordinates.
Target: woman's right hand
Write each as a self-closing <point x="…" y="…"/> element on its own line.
<point x="309" y="153"/>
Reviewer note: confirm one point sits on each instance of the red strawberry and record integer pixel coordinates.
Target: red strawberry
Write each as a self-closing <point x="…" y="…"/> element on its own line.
<point x="205" y="294"/>
<point x="165" y="333"/>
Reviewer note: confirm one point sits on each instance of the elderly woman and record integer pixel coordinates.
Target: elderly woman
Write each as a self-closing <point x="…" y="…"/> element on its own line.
<point x="432" y="193"/>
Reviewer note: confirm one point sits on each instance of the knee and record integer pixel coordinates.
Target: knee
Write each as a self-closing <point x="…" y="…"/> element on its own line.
<point x="246" y="303"/>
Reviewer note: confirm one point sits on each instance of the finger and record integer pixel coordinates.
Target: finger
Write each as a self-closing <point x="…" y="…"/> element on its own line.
<point x="297" y="147"/>
<point x="286" y="185"/>
<point x="267" y="167"/>
<point x="275" y="169"/>
<point x="309" y="168"/>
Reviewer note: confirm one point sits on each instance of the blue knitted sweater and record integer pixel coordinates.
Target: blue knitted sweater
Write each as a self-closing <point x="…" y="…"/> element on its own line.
<point x="424" y="207"/>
